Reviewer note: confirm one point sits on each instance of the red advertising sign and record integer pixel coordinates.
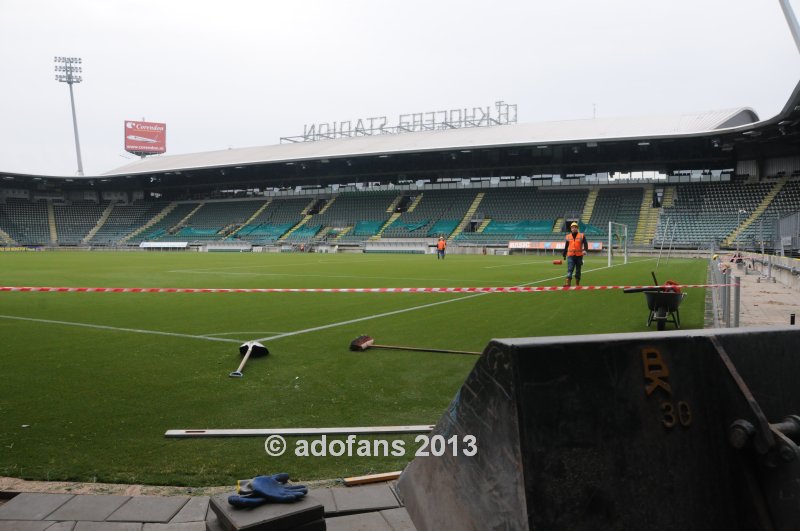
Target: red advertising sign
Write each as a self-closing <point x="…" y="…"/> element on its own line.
<point x="144" y="138"/>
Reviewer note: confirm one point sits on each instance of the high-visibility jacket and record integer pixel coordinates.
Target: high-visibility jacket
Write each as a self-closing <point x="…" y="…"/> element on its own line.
<point x="441" y="245"/>
<point x="575" y="244"/>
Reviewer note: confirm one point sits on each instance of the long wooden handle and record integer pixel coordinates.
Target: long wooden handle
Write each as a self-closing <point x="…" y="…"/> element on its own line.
<point x="247" y="355"/>
<point x="417" y="349"/>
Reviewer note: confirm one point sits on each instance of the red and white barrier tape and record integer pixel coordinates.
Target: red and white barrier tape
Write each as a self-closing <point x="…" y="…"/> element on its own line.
<point x="498" y="289"/>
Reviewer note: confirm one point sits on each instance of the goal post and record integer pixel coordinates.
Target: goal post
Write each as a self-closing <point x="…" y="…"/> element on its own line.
<point x="617" y="234"/>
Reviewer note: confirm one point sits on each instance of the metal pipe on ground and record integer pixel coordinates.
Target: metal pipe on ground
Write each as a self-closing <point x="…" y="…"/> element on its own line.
<point x="298" y="432"/>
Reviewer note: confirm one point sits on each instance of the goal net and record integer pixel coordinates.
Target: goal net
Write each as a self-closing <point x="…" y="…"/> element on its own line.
<point x="617" y="241"/>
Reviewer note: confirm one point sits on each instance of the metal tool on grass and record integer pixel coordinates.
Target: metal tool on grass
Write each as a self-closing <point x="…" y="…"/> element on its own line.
<point x="668" y="286"/>
<point x="253" y="348"/>
<point x="362" y="343"/>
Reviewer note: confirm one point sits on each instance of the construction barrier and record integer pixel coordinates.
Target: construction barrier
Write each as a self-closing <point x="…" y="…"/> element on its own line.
<point x="495" y="289"/>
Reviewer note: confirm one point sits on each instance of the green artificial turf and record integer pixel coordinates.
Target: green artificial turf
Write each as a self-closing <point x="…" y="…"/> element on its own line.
<point x="92" y="403"/>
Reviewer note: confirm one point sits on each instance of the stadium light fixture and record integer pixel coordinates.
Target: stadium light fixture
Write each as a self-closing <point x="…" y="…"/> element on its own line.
<point x="68" y="71"/>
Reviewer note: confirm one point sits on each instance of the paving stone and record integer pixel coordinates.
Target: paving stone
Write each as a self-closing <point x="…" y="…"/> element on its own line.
<point x="182" y="526"/>
<point x="358" y="522"/>
<point x="398" y="519"/>
<point x="159" y="509"/>
<point x="325" y="497"/>
<point x="213" y="523"/>
<point x="267" y="517"/>
<point x="24" y="525"/>
<point x="108" y="526"/>
<point x="32" y="506"/>
<point x="88" y="508"/>
<point x="62" y="526"/>
<point x="363" y="499"/>
<point x="393" y="487"/>
<point x="195" y="510"/>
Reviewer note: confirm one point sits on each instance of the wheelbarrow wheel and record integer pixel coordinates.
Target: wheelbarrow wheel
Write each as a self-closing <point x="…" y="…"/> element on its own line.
<point x="661" y="318"/>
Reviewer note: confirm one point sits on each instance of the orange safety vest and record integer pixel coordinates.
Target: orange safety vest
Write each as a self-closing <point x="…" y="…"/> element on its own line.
<point x="441" y="245"/>
<point x="575" y="244"/>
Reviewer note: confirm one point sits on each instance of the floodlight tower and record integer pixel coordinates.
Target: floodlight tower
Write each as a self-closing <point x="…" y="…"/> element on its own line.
<point x="791" y="20"/>
<point x="68" y="71"/>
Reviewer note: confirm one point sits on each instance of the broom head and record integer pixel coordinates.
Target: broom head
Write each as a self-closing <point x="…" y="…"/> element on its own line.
<point x="361" y="343"/>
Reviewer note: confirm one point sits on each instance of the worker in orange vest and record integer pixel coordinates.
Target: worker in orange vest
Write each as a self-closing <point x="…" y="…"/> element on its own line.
<point x="574" y="249"/>
<point x="440" y="247"/>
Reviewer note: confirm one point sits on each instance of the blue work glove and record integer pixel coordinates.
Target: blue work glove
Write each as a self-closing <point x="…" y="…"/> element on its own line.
<point x="266" y="489"/>
<point x="245" y="502"/>
<point x="274" y="488"/>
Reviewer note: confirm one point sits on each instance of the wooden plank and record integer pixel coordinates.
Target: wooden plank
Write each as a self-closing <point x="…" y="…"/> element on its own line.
<point x="260" y="432"/>
<point x="371" y="478"/>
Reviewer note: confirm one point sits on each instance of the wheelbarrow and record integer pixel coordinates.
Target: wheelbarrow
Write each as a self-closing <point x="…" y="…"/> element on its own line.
<point x="663" y="305"/>
<point x="663" y="302"/>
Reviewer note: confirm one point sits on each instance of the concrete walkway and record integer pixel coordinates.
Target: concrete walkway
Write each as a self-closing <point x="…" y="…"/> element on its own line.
<point x="374" y="507"/>
<point x="766" y="301"/>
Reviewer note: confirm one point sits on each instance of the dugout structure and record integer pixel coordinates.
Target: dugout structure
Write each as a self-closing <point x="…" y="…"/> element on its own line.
<point x="695" y="431"/>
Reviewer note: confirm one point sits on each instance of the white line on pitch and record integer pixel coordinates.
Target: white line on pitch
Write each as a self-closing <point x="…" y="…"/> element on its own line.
<point x="117" y="329"/>
<point x="413" y="308"/>
<point x="241" y="333"/>
<point x="515" y="265"/>
<point x="359" y="319"/>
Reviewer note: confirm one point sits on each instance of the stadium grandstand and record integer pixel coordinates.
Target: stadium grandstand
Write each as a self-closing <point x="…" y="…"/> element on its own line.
<point x="720" y="179"/>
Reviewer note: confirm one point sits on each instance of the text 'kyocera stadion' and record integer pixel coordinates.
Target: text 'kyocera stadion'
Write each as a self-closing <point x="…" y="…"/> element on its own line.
<point x="502" y="114"/>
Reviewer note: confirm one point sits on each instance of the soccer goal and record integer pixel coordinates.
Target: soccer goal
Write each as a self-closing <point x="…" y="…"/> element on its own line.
<point x="617" y="235"/>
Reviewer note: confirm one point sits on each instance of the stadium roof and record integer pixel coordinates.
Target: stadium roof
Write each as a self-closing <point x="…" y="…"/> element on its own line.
<point x="587" y="130"/>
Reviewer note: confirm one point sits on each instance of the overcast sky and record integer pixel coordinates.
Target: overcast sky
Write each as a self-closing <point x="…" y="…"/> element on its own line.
<point x="241" y="73"/>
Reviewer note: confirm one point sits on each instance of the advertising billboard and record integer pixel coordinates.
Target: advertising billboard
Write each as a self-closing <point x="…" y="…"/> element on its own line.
<point x="547" y="246"/>
<point x="144" y="138"/>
